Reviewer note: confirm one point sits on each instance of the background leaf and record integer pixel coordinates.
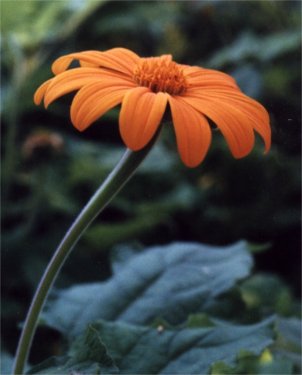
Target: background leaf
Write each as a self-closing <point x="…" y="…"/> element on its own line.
<point x="146" y="350"/>
<point x="6" y="362"/>
<point x="250" y="46"/>
<point x="168" y="281"/>
<point x="32" y="22"/>
<point x="288" y="343"/>
<point x="275" y="297"/>
<point x="87" y="355"/>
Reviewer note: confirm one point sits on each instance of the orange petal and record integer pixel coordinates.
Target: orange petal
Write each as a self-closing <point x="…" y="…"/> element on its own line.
<point x="193" y="133"/>
<point x="235" y="127"/>
<point x="40" y="92"/>
<point x="254" y="112"/>
<point x="257" y="115"/>
<point x="93" y="100"/>
<point x="69" y="81"/>
<point x="118" y="59"/>
<point x="199" y="77"/>
<point x="124" y="54"/>
<point x="140" y="116"/>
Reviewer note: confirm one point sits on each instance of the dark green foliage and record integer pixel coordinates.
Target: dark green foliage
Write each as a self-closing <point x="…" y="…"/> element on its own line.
<point x="168" y="282"/>
<point x="87" y="355"/>
<point x="161" y="286"/>
<point x="140" y="350"/>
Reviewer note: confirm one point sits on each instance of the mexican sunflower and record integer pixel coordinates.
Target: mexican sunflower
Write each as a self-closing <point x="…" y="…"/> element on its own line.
<point x="146" y="88"/>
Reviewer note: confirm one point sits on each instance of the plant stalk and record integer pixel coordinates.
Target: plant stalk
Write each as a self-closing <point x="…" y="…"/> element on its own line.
<point x="105" y="193"/>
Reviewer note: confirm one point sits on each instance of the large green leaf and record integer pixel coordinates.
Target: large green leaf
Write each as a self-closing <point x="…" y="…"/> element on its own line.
<point x="6" y="362"/>
<point x="87" y="355"/>
<point x="165" y="281"/>
<point x="288" y="343"/>
<point x="150" y="350"/>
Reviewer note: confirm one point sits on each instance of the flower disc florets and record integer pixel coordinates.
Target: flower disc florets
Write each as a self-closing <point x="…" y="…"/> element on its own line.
<point x="160" y="74"/>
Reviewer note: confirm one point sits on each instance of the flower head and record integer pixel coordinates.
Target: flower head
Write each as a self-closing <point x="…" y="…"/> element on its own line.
<point x="145" y="87"/>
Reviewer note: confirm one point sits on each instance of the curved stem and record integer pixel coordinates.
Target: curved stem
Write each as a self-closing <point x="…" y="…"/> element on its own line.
<point x="111" y="186"/>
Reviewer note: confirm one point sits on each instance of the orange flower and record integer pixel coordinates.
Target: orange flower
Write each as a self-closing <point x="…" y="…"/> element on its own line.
<point x="144" y="87"/>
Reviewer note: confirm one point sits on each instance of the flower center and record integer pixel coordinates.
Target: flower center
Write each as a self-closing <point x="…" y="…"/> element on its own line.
<point x="160" y="74"/>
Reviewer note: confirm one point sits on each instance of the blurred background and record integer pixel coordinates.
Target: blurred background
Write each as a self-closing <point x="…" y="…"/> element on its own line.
<point x="49" y="170"/>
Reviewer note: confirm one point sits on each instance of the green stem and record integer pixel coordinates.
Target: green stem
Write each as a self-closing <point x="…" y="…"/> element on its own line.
<point x="111" y="186"/>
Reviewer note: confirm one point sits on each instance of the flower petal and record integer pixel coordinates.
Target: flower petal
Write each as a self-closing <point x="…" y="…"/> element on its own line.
<point x="193" y="133"/>
<point x="199" y="77"/>
<point x="258" y="115"/>
<point x="124" y="56"/>
<point x="69" y="81"/>
<point x="40" y="92"/>
<point x="254" y="112"/>
<point x="93" y="100"/>
<point x="235" y="126"/>
<point x="118" y="59"/>
<point x="140" y="116"/>
<point x="74" y="79"/>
